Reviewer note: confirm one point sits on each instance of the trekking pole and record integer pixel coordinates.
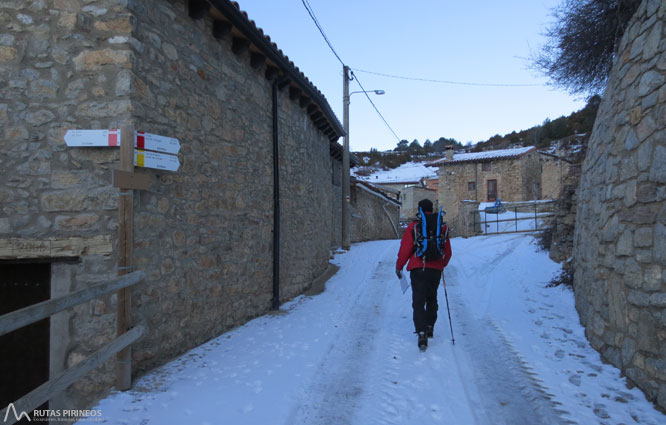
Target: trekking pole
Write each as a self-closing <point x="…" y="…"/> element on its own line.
<point x="448" y="310"/>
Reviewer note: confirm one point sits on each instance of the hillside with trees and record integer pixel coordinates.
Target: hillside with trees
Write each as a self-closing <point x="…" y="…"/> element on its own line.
<point x="541" y="136"/>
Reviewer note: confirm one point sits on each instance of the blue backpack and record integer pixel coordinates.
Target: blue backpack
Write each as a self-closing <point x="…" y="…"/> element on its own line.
<point x="429" y="239"/>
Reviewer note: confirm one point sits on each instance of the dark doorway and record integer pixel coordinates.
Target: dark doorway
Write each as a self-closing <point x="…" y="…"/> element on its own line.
<point x="492" y="190"/>
<point x="24" y="353"/>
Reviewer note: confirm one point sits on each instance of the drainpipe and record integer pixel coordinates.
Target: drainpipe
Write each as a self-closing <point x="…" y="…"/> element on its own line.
<point x="276" y="198"/>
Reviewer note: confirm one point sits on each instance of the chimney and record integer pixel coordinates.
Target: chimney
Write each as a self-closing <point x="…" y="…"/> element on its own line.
<point x="449" y="153"/>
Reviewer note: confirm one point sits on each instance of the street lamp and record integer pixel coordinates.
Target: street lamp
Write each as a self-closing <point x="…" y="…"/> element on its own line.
<point x="346" y="239"/>
<point x="377" y="92"/>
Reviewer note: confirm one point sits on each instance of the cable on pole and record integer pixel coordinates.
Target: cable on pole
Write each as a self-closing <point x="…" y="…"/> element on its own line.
<point x="307" y="6"/>
<point x="374" y="106"/>
<point x="460" y="83"/>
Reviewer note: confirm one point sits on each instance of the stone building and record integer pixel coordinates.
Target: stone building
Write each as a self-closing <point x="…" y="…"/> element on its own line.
<point x="198" y="71"/>
<point x="620" y="234"/>
<point x="410" y="196"/>
<point x="411" y="182"/>
<point x="507" y="174"/>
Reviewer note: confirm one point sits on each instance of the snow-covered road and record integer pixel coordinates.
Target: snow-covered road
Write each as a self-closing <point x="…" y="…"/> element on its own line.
<point x="349" y="355"/>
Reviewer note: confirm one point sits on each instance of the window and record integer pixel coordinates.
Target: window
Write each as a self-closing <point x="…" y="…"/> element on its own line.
<point x="471" y="186"/>
<point x="485" y="166"/>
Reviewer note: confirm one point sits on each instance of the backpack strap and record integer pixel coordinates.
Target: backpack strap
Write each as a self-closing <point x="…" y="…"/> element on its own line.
<point x="420" y="250"/>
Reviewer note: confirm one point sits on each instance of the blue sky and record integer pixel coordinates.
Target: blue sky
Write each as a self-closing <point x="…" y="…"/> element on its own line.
<point x="483" y="41"/>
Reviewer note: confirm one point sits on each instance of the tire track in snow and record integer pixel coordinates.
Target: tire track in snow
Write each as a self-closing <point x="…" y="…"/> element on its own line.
<point x="509" y="391"/>
<point x="336" y="394"/>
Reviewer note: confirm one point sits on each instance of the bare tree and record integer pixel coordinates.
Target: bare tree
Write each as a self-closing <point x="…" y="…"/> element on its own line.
<point x="582" y="43"/>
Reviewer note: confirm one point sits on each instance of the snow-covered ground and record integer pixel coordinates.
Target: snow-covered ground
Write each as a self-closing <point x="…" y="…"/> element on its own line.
<point x="349" y="355"/>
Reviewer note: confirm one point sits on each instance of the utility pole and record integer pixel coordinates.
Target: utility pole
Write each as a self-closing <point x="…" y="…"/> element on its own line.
<point x="346" y="240"/>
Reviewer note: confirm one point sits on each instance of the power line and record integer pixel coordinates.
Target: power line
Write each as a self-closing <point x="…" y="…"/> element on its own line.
<point x="461" y="83"/>
<point x="307" y="6"/>
<point x="373" y="105"/>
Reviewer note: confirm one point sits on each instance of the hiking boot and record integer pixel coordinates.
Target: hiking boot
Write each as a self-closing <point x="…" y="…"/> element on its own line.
<point x="430" y="331"/>
<point x="423" y="341"/>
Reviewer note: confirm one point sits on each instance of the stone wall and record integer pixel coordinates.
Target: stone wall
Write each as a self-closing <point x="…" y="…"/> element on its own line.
<point x="203" y="235"/>
<point x="336" y="219"/>
<point x="410" y="198"/>
<point x="515" y="182"/>
<point x="620" y="236"/>
<point x="373" y="216"/>
<point x="531" y="178"/>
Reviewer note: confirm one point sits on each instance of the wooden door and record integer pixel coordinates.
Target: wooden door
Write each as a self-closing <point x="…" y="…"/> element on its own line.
<point x="24" y="353"/>
<point x="492" y="190"/>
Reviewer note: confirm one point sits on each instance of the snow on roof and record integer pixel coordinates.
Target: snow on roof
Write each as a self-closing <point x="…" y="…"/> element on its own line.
<point x="483" y="156"/>
<point x="409" y="172"/>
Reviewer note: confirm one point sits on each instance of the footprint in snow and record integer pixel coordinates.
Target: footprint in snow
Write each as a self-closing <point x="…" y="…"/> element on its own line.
<point x="575" y="379"/>
<point x="600" y="410"/>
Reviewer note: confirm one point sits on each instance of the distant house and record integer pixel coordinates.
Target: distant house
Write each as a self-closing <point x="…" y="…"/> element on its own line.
<point x="507" y="174"/>
<point x="412" y="182"/>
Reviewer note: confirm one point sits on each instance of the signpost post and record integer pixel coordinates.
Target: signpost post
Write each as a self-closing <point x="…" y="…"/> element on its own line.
<point x="136" y="149"/>
<point x="125" y="250"/>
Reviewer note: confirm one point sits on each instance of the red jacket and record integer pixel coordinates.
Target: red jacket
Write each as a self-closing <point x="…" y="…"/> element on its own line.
<point x="407" y="252"/>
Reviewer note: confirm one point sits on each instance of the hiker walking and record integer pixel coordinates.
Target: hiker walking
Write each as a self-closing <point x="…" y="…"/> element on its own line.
<point x="426" y="252"/>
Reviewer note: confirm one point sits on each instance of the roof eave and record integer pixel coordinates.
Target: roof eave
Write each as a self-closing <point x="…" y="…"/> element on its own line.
<point x="236" y="17"/>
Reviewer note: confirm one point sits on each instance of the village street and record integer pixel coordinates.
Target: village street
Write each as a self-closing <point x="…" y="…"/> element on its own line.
<point x="349" y="355"/>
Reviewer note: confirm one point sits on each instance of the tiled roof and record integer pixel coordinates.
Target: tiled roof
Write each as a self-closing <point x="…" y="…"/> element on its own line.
<point x="483" y="156"/>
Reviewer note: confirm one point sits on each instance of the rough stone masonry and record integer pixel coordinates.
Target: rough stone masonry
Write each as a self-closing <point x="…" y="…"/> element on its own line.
<point x="620" y="236"/>
<point x="203" y="235"/>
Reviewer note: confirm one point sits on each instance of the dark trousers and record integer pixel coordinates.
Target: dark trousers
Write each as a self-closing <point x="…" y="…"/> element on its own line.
<point x="424" y="297"/>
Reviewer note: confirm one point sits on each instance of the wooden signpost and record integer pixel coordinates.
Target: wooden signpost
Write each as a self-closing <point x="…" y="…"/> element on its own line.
<point x="136" y="149"/>
<point x="125" y="250"/>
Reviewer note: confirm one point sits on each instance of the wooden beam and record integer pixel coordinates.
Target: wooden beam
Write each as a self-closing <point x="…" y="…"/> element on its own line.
<point x="316" y="115"/>
<point x="285" y="82"/>
<point x="221" y="29"/>
<point x="239" y="45"/>
<point x="125" y="257"/>
<point x="257" y="59"/>
<point x="320" y="120"/>
<point x="304" y="101"/>
<point x="36" y="312"/>
<point x="60" y="382"/>
<point x="197" y="9"/>
<point x="312" y="107"/>
<point x="271" y="72"/>
<point x="294" y="93"/>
